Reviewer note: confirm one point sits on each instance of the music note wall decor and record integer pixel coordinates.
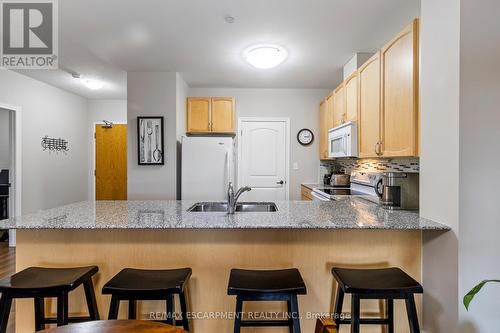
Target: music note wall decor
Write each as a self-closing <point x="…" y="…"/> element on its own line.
<point x="53" y="144"/>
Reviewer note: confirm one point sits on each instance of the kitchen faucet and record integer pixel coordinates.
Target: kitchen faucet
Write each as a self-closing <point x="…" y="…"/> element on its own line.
<point x="232" y="198"/>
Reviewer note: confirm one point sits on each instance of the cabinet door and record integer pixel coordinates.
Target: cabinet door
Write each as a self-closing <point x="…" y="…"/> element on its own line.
<point x="222" y="117"/>
<point x="399" y="61"/>
<point x="339" y="106"/>
<point x="351" y="98"/>
<point x="369" y="107"/>
<point x="198" y="115"/>
<point x="323" y="131"/>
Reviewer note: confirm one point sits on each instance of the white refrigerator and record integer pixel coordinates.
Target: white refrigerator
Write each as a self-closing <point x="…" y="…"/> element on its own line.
<point x="207" y="167"/>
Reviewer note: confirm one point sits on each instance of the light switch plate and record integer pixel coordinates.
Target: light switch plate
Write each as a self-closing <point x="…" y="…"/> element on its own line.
<point x="295" y="166"/>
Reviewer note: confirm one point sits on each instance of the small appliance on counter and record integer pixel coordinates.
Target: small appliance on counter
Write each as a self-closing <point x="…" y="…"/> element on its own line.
<point x="399" y="191"/>
<point x="340" y="180"/>
<point x="326" y="179"/>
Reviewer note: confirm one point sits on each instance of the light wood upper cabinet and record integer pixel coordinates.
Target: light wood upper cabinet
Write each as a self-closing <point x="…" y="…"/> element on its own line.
<point x="399" y="61"/>
<point x="323" y="131"/>
<point x="198" y="115"/>
<point x="351" y="98"/>
<point x="222" y="115"/>
<point x="210" y="115"/>
<point x="339" y="105"/>
<point x="369" y="107"/>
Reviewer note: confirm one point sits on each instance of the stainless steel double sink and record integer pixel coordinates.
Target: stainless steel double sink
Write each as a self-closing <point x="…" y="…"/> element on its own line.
<point x="240" y="207"/>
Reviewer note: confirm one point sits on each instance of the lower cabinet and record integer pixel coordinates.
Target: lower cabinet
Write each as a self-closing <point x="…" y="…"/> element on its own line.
<point x="305" y="193"/>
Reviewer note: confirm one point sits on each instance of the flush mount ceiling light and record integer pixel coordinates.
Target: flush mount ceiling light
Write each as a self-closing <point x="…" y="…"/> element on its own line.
<point x="265" y="56"/>
<point x="93" y="84"/>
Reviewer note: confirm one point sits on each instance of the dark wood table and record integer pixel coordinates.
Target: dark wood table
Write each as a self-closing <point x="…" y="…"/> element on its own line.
<point x="116" y="326"/>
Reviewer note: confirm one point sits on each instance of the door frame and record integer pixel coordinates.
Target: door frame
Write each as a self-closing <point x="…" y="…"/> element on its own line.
<point x="92" y="172"/>
<point x="16" y="164"/>
<point x="286" y="120"/>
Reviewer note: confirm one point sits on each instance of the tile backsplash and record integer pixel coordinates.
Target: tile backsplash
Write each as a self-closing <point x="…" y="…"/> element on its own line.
<point x="407" y="164"/>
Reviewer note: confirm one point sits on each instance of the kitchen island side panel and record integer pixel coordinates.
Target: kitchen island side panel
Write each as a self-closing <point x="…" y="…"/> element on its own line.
<point x="211" y="254"/>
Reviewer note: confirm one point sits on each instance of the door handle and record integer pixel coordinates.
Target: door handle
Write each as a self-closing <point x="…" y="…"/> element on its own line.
<point x="281" y="182"/>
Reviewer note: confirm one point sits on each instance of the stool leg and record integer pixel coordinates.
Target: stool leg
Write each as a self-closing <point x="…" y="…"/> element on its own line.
<point x="62" y="309"/>
<point x="238" y="314"/>
<point x="390" y="315"/>
<point x="339" y="301"/>
<point x="132" y="309"/>
<point x="91" y="302"/>
<point x="294" y="304"/>
<point x="170" y="310"/>
<point x="39" y="313"/>
<point x="355" y="313"/>
<point x="114" y="307"/>
<point x="412" y="314"/>
<point x="184" y="313"/>
<point x="5" y="304"/>
<point x="290" y="316"/>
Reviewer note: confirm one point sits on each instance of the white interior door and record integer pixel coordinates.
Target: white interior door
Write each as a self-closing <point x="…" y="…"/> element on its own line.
<point x="263" y="160"/>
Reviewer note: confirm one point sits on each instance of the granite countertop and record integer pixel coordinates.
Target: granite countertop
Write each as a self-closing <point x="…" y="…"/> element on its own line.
<point x="347" y="213"/>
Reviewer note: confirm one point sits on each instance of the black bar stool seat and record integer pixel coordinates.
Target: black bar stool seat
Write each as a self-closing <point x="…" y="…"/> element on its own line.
<point x="133" y="285"/>
<point x="267" y="285"/>
<point x="40" y="283"/>
<point x="367" y="281"/>
<point x="387" y="283"/>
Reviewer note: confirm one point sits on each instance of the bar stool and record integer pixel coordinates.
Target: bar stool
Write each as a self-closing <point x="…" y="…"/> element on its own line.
<point x="117" y="326"/>
<point x="133" y="285"/>
<point x="388" y="284"/>
<point x="40" y="283"/>
<point x="267" y="285"/>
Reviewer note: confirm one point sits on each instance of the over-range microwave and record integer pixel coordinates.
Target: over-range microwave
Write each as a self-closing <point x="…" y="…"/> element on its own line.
<point x="343" y="140"/>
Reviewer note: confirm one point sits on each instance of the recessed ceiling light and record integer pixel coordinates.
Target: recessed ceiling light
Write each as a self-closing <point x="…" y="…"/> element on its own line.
<point x="229" y="19"/>
<point x="93" y="84"/>
<point x="265" y="56"/>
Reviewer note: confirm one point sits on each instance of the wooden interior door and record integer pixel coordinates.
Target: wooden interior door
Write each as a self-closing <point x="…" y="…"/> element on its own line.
<point x="351" y="98"/>
<point x="338" y="105"/>
<point x="369" y="107"/>
<point x="399" y="60"/>
<point x="198" y="115"/>
<point x="222" y="115"/>
<point x="111" y="162"/>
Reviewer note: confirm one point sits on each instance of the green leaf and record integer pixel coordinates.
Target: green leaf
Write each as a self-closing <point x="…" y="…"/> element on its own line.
<point x="470" y="295"/>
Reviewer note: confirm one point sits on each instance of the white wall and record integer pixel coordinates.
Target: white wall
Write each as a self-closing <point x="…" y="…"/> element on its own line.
<point x="152" y="94"/>
<point x="300" y="105"/>
<point x="5" y="156"/>
<point x="114" y="110"/>
<point x="479" y="162"/>
<point x="49" y="179"/>
<point x="439" y="160"/>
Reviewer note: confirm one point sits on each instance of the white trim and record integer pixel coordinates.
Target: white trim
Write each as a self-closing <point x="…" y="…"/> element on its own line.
<point x="92" y="172"/>
<point x="286" y="120"/>
<point x="17" y="164"/>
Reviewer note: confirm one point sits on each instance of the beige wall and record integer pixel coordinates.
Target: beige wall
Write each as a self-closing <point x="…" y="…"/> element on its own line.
<point x="49" y="179"/>
<point x="300" y="105"/>
<point x="440" y="24"/>
<point x="152" y="94"/>
<point x="479" y="162"/>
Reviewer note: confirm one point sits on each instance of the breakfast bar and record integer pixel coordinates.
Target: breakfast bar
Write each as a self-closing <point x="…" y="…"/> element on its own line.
<point x="311" y="236"/>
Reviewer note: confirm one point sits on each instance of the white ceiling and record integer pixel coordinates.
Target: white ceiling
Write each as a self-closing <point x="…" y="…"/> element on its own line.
<point x="104" y="39"/>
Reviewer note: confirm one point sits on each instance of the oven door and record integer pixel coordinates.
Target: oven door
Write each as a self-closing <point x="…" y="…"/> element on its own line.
<point x="338" y="145"/>
<point x="318" y="197"/>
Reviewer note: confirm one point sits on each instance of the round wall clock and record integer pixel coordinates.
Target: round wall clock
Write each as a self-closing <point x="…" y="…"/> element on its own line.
<point x="305" y="137"/>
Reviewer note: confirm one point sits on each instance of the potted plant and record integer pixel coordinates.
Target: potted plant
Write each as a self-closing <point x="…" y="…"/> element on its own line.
<point x="470" y="295"/>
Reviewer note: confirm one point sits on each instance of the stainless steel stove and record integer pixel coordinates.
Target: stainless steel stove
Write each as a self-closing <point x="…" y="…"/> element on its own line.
<point x="363" y="184"/>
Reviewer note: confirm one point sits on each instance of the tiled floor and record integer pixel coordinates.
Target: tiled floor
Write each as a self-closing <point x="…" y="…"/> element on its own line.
<point x="8" y="267"/>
